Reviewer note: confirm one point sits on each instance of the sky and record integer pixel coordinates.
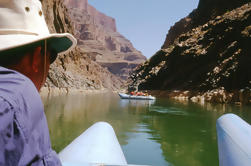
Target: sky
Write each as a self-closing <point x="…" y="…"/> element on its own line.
<point x="145" y="22"/>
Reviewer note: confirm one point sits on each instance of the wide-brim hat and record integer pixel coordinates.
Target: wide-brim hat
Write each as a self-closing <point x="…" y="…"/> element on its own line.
<point x="22" y="23"/>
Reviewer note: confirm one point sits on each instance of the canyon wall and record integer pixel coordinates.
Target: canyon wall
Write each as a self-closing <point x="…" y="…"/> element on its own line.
<point x="98" y="37"/>
<point x="207" y="9"/>
<point x="205" y="57"/>
<point x="75" y="70"/>
<point x="81" y="4"/>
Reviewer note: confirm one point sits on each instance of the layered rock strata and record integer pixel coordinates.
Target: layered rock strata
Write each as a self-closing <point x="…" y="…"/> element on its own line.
<point x="210" y="59"/>
<point x="98" y="37"/>
<point x="75" y="70"/>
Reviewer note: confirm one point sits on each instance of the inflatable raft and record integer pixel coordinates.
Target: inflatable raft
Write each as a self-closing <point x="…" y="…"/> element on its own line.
<point x="126" y="96"/>
<point x="234" y="141"/>
<point x="97" y="146"/>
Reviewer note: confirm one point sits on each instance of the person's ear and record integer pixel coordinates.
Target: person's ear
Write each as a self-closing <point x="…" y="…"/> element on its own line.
<point x="36" y="60"/>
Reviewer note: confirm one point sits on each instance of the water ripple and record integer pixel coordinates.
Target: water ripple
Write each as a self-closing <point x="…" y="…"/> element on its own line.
<point x="170" y="110"/>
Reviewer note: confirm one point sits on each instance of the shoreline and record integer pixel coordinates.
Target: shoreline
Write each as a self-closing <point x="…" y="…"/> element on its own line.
<point x="54" y="91"/>
<point x="220" y="96"/>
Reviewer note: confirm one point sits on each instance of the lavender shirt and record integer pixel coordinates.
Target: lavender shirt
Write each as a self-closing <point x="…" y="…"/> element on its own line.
<point x="24" y="135"/>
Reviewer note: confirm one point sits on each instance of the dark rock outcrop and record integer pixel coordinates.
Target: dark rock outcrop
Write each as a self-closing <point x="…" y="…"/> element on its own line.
<point x="207" y="9"/>
<point x="98" y="37"/>
<point x="211" y="56"/>
<point x="75" y="70"/>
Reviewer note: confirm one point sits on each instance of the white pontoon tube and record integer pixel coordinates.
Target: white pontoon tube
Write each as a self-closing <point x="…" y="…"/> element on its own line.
<point x="97" y="146"/>
<point x="234" y="141"/>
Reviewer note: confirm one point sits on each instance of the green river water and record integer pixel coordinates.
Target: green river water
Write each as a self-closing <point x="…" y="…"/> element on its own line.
<point x="160" y="133"/>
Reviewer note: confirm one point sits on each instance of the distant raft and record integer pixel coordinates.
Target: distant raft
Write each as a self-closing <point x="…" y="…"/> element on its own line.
<point x="134" y="97"/>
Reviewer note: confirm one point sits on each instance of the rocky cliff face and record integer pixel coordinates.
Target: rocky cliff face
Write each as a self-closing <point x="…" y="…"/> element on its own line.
<point x="207" y="9"/>
<point x="76" y="69"/>
<point x="98" y="38"/>
<point x="81" y="4"/>
<point x="212" y="59"/>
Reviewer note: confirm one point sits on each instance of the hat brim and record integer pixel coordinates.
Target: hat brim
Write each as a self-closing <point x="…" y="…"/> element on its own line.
<point x="60" y="43"/>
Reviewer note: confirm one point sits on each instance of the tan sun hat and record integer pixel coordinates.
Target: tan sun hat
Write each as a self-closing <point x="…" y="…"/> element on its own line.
<point x="22" y="23"/>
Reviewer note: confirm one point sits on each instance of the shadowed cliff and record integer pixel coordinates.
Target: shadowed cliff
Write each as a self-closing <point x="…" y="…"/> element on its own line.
<point x="206" y="10"/>
<point x="207" y="52"/>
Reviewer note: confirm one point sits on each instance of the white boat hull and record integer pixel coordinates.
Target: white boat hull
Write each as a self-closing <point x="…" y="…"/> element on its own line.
<point x="126" y="96"/>
<point x="97" y="146"/>
<point x="234" y="141"/>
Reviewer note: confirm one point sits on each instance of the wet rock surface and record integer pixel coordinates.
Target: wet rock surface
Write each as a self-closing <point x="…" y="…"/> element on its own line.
<point x="205" y="59"/>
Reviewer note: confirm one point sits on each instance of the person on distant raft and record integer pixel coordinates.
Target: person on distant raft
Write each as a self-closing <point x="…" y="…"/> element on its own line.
<point x="26" y="51"/>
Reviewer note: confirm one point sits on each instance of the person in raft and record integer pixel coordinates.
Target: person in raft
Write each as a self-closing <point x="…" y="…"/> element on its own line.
<point x="26" y="51"/>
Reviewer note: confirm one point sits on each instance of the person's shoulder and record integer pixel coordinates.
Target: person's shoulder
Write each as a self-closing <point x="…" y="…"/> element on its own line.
<point x="4" y="105"/>
<point x="14" y="84"/>
<point x="12" y="78"/>
<point x="6" y="114"/>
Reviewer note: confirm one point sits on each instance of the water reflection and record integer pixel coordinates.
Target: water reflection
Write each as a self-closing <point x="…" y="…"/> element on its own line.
<point x="170" y="110"/>
<point x="69" y="116"/>
<point x="160" y="133"/>
<point x="136" y="103"/>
